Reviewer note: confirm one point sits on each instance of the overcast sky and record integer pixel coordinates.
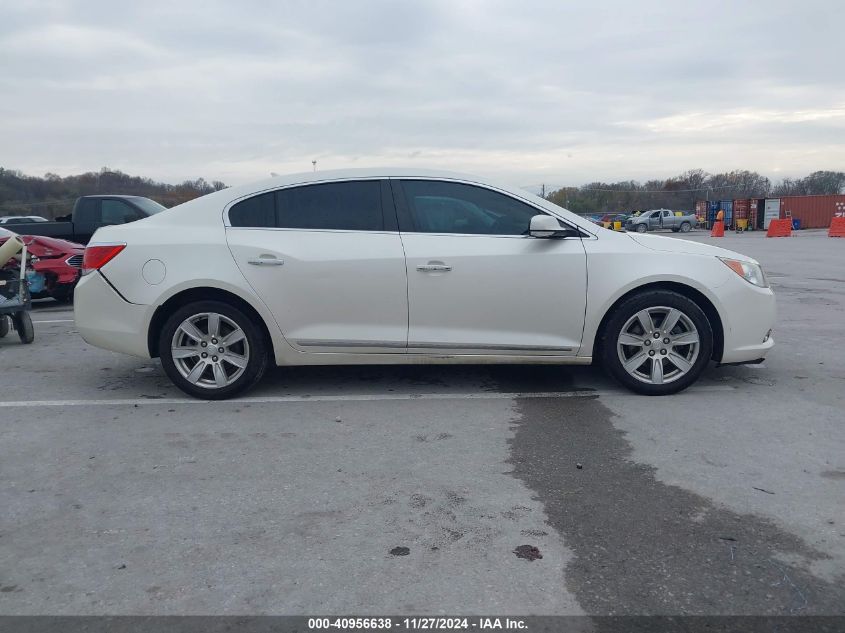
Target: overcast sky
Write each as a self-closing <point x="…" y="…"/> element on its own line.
<point x="556" y="92"/>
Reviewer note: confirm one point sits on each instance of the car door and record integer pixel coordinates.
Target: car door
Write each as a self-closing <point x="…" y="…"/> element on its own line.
<point x="327" y="260"/>
<point x="654" y="220"/>
<point x="477" y="283"/>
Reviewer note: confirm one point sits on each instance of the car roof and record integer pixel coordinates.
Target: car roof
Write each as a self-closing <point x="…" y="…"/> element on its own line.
<point x="213" y="203"/>
<point x="369" y="172"/>
<point x="111" y="195"/>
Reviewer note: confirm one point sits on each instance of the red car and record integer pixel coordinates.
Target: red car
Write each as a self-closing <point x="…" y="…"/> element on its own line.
<point x="59" y="261"/>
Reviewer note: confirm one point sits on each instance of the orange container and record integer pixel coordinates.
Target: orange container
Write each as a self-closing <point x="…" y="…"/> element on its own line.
<point x="815" y="212"/>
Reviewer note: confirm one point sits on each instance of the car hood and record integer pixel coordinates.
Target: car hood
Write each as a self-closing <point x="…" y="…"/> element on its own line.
<point x="687" y="247"/>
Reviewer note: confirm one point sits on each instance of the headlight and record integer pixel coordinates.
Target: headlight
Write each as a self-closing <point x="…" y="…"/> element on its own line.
<point x="752" y="273"/>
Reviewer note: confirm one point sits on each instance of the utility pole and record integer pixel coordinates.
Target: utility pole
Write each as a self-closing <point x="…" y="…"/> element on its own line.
<point x="314" y="163"/>
<point x="543" y="191"/>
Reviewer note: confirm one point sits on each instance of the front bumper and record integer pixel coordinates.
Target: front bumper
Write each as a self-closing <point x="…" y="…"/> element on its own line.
<point x="106" y="320"/>
<point x="748" y="322"/>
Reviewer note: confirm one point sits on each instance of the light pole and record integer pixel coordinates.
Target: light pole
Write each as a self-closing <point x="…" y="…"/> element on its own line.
<point x="314" y="163"/>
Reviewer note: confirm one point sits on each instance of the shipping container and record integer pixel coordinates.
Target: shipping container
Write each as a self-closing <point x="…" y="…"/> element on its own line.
<point x="741" y="206"/>
<point x="728" y="207"/>
<point x="712" y="208"/>
<point x="753" y="205"/>
<point x="771" y="211"/>
<point x="815" y="212"/>
<point x="761" y="212"/>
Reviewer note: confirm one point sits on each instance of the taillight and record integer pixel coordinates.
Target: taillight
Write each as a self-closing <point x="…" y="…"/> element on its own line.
<point x="98" y="255"/>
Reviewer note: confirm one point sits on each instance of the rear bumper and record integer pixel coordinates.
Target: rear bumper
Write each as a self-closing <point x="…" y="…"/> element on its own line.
<point x="106" y="320"/>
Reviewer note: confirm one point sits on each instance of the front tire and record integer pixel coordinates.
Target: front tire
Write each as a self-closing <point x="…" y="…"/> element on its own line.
<point x="657" y="343"/>
<point x="642" y="228"/>
<point x="212" y="350"/>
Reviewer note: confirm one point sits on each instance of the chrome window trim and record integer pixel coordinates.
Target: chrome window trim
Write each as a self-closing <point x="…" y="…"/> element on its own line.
<point x="586" y="233"/>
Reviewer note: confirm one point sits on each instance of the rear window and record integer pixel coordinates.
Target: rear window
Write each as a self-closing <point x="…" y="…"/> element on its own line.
<point x="348" y="206"/>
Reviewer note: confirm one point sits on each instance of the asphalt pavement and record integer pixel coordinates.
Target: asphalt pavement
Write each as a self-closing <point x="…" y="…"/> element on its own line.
<point x="365" y="490"/>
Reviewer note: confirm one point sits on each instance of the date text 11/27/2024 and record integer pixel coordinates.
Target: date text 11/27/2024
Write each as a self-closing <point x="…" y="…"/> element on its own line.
<point x="416" y="624"/>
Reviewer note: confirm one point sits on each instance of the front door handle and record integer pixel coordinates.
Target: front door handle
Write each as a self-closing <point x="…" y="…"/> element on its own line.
<point x="433" y="267"/>
<point x="266" y="261"/>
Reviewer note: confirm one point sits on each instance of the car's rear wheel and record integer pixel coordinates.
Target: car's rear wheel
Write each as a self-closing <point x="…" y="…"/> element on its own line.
<point x="642" y="228"/>
<point x="62" y="294"/>
<point x="212" y="350"/>
<point x="657" y="343"/>
<point x="685" y="227"/>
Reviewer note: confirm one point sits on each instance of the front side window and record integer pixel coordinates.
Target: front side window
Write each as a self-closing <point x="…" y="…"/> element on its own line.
<point x="450" y="207"/>
<point x="349" y="206"/>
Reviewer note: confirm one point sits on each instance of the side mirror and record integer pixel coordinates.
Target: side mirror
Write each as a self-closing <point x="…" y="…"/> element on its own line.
<point x="544" y="226"/>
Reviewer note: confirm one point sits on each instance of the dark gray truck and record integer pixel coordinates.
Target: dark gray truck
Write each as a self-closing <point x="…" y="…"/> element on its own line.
<point x="89" y="214"/>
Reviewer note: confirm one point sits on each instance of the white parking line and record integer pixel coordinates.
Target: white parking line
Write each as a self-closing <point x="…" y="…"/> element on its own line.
<point x="344" y="398"/>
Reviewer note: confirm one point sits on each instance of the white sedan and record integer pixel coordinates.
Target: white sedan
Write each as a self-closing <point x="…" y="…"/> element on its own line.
<point x="399" y="267"/>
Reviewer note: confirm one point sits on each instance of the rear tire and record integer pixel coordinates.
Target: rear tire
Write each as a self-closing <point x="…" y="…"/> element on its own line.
<point x="212" y="350"/>
<point x="685" y="227"/>
<point x="663" y="364"/>
<point x="62" y="294"/>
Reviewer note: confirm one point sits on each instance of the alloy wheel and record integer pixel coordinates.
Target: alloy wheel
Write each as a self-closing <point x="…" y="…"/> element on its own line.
<point x="210" y="350"/>
<point x="658" y="345"/>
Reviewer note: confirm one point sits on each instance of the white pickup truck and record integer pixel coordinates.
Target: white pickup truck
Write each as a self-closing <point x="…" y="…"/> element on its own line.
<point x="660" y="219"/>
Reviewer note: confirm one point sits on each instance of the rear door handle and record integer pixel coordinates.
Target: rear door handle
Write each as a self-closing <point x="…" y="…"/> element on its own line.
<point x="432" y="267"/>
<point x="266" y="261"/>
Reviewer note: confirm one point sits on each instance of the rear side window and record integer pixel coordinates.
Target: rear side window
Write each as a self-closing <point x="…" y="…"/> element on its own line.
<point x="349" y="206"/>
<point x="353" y="206"/>
<point x="258" y="212"/>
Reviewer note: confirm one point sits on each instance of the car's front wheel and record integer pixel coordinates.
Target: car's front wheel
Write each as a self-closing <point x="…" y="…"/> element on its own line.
<point x="212" y="350"/>
<point x="657" y="343"/>
<point x="642" y="228"/>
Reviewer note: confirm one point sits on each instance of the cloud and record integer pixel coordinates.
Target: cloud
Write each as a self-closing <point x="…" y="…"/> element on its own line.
<point x="527" y="91"/>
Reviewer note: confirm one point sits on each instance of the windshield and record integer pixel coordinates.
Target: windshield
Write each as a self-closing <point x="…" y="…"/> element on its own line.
<point x="150" y="207"/>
